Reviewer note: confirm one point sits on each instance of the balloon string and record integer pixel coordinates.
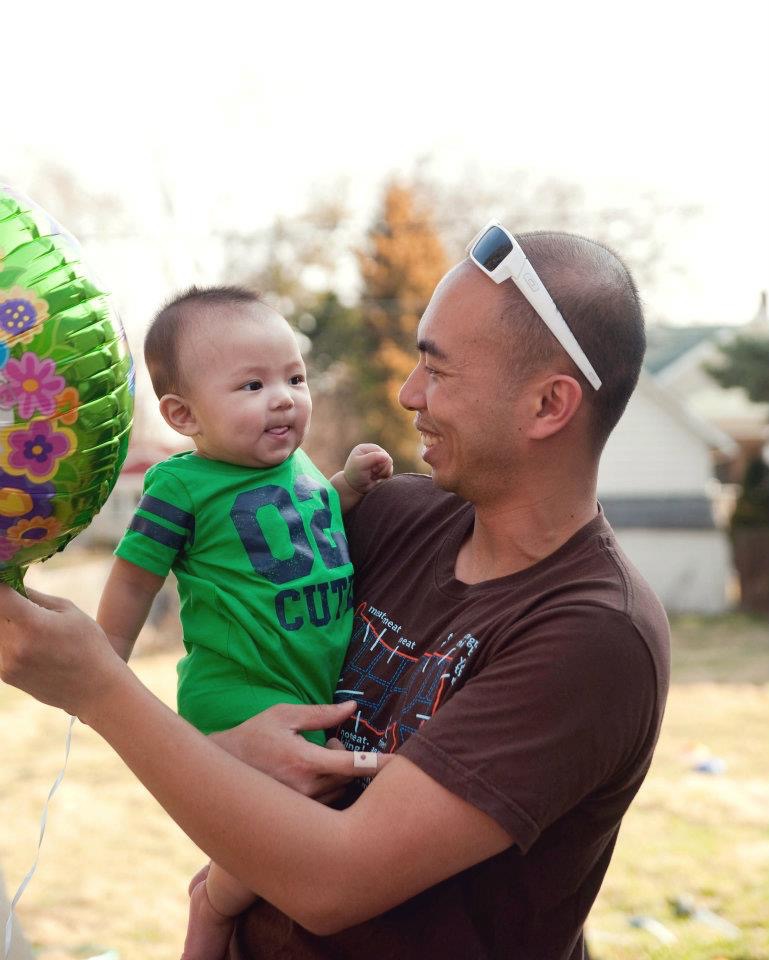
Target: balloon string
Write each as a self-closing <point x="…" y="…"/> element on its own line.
<point x="43" y="821"/>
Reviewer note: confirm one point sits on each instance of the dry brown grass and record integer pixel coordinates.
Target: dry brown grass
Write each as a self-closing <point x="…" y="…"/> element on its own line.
<point x="114" y="868"/>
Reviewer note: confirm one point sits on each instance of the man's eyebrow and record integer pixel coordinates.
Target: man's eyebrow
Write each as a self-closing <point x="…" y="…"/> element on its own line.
<point x="432" y="349"/>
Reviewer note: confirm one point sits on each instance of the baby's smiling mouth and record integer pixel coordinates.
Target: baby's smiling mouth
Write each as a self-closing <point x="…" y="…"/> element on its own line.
<point x="280" y="431"/>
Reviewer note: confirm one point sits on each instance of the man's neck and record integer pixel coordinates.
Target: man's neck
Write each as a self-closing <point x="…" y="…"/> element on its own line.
<point x="509" y="537"/>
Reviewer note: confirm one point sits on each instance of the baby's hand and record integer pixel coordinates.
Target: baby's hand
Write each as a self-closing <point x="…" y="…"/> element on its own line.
<point x="208" y="931"/>
<point x="367" y="465"/>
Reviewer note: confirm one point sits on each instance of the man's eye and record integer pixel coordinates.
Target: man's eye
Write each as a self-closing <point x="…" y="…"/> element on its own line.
<point x="296" y="379"/>
<point x="253" y="385"/>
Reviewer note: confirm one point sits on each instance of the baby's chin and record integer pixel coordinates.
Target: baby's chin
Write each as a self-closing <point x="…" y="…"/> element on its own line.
<point x="249" y="463"/>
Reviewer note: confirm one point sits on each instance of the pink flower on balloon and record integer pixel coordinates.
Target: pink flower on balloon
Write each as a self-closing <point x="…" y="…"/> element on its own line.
<point x="8" y="549"/>
<point x="35" y="452"/>
<point x="32" y="384"/>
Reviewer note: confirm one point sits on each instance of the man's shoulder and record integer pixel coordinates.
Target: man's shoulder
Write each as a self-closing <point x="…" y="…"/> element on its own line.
<point x="642" y="607"/>
<point x="407" y="496"/>
<point x="404" y="512"/>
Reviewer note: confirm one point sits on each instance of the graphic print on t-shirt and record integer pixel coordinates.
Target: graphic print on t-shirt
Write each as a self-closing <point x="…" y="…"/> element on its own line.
<point x="396" y="691"/>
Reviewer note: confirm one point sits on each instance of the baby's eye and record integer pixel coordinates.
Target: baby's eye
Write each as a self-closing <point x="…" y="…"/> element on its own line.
<point x="253" y="385"/>
<point x="297" y="379"/>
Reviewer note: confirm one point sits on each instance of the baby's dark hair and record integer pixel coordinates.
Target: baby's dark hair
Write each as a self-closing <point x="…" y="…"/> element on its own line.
<point x="161" y="343"/>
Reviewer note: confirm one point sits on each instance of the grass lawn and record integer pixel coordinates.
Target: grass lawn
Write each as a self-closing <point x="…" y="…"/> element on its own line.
<point x="114" y="869"/>
<point x="693" y="834"/>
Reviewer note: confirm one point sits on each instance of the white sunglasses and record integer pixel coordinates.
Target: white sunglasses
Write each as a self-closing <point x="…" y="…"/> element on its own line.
<point x="496" y="251"/>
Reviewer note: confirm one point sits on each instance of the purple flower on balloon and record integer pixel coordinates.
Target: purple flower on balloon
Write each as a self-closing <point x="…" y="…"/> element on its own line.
<point x="21" y="314"/>
<point x="36" y="450"/>
<point x="22" y="498"/>
<point x="31" y="384"/>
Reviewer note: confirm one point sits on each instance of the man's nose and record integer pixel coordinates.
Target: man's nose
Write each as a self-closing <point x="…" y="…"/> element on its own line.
<point x="411" y="394"/>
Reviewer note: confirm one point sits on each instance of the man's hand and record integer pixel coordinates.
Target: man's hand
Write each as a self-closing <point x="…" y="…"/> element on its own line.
<point x="55" y="652"/>
<point x="272" y="742"/>
<point x="208" y="931"/>
<point x="367" y="465"/>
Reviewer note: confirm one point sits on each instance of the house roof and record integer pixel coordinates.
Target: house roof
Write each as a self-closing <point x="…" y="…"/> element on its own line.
<point x="665" y="345"/>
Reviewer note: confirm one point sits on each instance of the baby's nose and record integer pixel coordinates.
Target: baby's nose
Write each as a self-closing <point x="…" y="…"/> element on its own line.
<point x="282" y="399"/>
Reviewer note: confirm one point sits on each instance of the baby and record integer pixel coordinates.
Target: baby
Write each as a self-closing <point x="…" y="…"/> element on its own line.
<point x="251" y="528"/>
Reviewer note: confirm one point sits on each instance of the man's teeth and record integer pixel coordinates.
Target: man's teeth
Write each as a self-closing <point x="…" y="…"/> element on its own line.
<point x="429" y="439"/>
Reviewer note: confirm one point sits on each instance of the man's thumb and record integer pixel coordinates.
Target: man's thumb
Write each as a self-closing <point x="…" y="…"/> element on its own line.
<point x="324" y="715"/>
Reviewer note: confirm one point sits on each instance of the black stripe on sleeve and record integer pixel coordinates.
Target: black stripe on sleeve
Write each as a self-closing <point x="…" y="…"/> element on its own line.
<point x="157" y="533"/>
<point x="167" y="511"/>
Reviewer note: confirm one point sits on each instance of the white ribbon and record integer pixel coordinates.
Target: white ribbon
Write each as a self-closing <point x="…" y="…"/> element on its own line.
<point x="43" y="820"/>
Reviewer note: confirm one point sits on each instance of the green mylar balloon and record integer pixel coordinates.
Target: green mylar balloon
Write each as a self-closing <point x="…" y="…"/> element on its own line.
<point x="66" y="388"/>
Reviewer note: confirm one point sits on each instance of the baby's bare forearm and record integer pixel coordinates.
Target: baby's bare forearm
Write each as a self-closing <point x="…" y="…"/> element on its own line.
<point x="125" y="604"/>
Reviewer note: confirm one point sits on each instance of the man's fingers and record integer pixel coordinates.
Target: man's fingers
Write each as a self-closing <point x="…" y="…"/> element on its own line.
<point x="330" y="795"/>
<point x="342" y="763"/>
<point x="199" y="877"/>
<point x="49" y="602"/>
<point x="13" y="605"/>
<point x="319" y="716"/>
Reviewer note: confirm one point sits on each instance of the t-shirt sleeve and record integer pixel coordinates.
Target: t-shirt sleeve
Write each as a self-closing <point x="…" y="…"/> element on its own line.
<point x="545" y="722"/>
<point x="163" y="525"/>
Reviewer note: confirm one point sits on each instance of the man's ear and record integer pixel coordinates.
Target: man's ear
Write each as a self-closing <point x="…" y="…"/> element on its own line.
<point x="557" y="401"/>
<point x="178" y="414"/>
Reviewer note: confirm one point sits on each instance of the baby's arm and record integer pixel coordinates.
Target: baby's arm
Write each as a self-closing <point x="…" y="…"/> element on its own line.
<point x="214" y="903"/>
<point x="125" y="603"/>
<point x="367" y="465"/>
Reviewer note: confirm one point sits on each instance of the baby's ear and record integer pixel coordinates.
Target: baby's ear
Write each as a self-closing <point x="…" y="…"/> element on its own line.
<point x="177" y="413"/>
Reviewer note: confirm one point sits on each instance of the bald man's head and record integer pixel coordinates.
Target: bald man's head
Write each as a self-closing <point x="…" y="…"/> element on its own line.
<point x="599" y="301"/>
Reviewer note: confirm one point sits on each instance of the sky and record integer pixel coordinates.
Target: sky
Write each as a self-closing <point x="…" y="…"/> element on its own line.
<point x="241" y="113"/>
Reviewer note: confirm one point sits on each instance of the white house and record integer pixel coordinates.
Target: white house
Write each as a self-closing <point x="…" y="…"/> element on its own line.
<point x="678" y="358"/>
<point x="656" y="484"/>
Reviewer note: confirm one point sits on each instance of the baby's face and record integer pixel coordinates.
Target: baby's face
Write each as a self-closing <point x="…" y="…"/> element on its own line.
<point x="247" y="386"/>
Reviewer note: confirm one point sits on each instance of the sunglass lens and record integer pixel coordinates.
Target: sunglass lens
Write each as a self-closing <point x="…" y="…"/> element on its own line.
<point x="492" y="248"/>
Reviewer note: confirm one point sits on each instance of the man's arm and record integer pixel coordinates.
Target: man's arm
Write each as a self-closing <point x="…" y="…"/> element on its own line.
<point x="125" y="604"/>
<point x="303" y="857"/>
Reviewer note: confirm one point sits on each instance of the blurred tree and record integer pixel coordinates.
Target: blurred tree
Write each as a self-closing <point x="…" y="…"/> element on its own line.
<point x="334" y="331"/>
<point x="364" y="351"/>
<point x="88" y="214"/>
<point x="750" y="538"/>
<point x="745" y="364"/>
<point x="644" y="230"/>
<point x="400" y="264"/>
<point x="295" y="261"/>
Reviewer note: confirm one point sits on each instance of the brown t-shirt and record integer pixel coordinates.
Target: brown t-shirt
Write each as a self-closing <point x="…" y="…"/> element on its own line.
<point x="536" y="697"/>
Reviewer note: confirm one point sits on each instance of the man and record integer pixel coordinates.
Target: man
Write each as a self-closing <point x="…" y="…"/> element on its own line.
<point x="504" y="650"/>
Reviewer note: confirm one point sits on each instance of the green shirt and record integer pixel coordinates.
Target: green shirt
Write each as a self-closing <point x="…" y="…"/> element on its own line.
<point x="264" y="578"/>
